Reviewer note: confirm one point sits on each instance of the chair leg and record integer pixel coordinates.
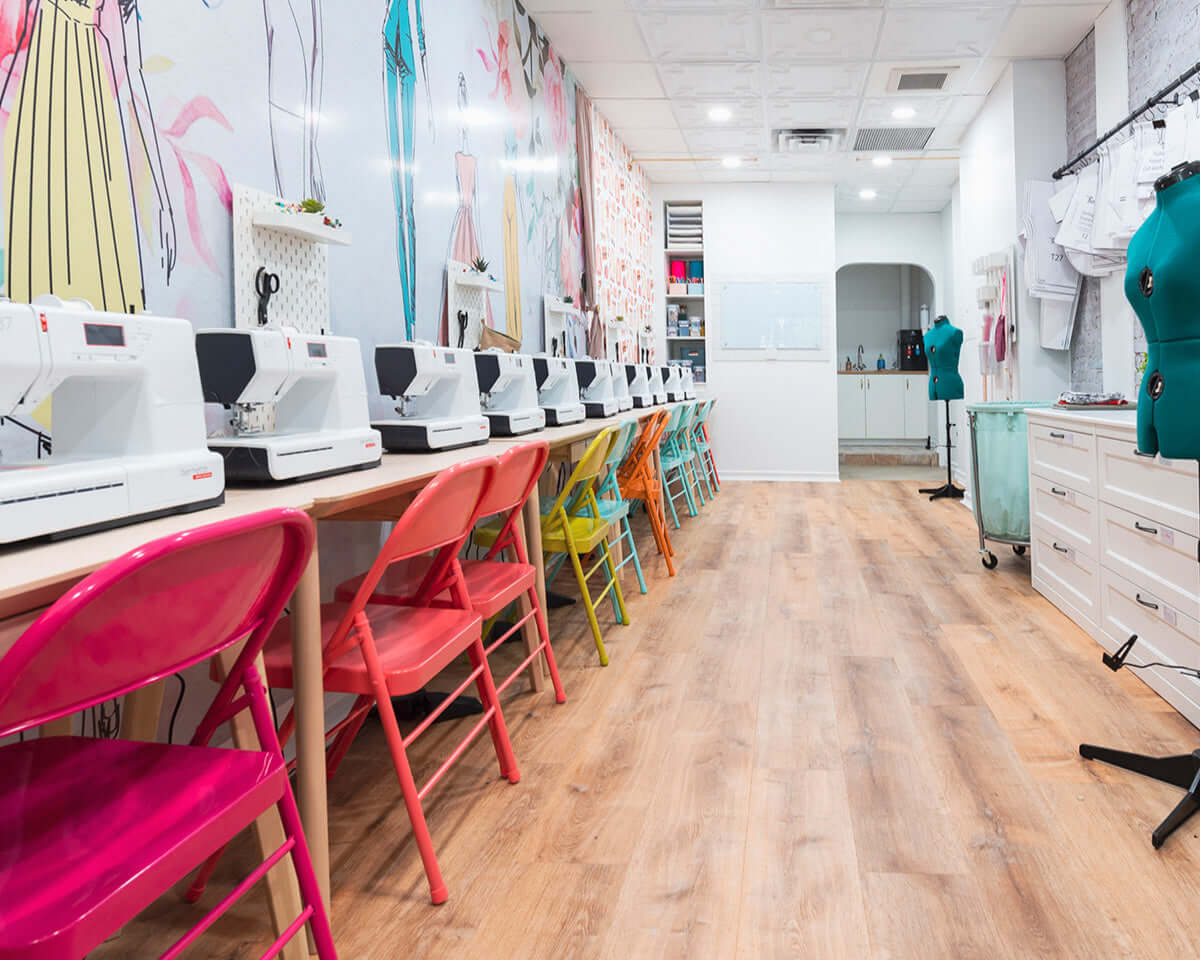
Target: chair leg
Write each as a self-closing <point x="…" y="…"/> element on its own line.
<point x="486" y="685"/>
<point x="341" y="743"/>
<point x="606" y="554"/>
<point x="670" y="500"/>
<point x="587" y="605"/>
<point x="408" y="789"/>
<point x="306" y="877"/>
<point x="633" y="552"/>
<point x="544" y="632"/>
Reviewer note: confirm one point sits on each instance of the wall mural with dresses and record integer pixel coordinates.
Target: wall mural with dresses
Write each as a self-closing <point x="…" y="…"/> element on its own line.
<point x="430" y="129"/>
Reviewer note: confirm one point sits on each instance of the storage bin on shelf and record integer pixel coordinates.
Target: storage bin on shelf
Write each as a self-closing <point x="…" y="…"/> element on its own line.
<point x="1000" y="474"/>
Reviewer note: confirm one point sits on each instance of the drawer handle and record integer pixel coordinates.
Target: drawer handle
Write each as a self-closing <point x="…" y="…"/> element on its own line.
<point x="1146" y="603"/>
<point x="1061" y="549"/>
<point x="1057" y="492"/>
<point x="1058" y="436"/>
<point x="1138" y="453"/>
<point x="1153" y="531"/>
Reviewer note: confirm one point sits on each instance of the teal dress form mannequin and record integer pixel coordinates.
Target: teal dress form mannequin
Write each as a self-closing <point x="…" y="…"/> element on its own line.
<point x="1163" y="286"/>
<point x="943" y="344"/>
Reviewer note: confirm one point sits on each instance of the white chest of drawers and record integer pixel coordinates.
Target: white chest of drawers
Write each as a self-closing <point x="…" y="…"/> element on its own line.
<point x="1114" y="541"/>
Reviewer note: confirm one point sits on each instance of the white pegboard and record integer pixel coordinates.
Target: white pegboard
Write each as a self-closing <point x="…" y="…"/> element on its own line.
<point x="467" y="291"/>
<point x="302" y="265"/>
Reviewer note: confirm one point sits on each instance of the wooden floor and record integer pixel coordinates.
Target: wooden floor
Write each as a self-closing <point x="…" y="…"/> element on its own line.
<point x="832" y="735"/>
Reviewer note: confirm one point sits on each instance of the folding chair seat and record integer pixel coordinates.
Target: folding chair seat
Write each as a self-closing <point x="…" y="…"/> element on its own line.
<point x="95" y="830"/>
<point x="613" y="506"/>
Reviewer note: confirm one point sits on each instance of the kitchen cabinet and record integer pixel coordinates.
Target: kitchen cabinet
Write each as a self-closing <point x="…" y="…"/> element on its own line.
<point x="852" y="406"/>
<point x="916" y="407"/>
<point x="885" y="406"/>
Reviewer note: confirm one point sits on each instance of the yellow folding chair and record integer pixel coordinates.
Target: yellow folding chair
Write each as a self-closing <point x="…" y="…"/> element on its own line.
<point x="573" y="526"/>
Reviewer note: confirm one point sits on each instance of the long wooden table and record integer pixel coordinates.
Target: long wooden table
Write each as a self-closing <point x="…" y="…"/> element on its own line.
<point x="34" y="576"/>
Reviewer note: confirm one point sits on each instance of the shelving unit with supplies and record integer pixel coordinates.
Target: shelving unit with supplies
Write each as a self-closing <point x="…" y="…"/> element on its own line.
<point x="683" y="268"/>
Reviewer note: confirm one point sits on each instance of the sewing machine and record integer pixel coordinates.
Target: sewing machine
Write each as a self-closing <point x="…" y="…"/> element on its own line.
<point x="686" y="383"/>
<point x="438" y="393"/>
<point x="508" y="393"/>
<point x="620" y="384"/>
<point x="637" y="377"/>
<point x="128" y="422"/>
<point x="297" y="403"/>
<point x="672" y="382"/>
<point x="655" y="381"/>
<point x="596" y="387"/>
<point x="558" y="390"/>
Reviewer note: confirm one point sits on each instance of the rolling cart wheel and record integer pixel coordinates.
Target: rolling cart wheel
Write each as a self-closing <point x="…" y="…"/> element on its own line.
<point x="1019" y="549"/>
<point x="989" y="562"/>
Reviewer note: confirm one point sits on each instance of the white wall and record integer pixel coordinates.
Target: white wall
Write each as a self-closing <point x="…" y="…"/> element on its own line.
<point x="895" y="238"/>
<point x="774" y="419"/>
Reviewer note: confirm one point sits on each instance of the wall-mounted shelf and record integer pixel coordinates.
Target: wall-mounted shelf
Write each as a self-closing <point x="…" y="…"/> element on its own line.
<point x="685" y="254"/>
<point x="469" y="278"/>
<point x="699" y="339"/>
<point x="307" y="226"/>
<point x="685" y="296"/>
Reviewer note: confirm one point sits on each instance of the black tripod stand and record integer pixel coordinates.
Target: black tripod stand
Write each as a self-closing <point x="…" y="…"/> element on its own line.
<point x="1183" y="770"/>
<point x="948" y="489"/>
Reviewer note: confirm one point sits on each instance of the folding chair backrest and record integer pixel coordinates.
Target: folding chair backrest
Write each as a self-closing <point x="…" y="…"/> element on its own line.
<point x="517" y="472"/>
<point x="646" y="443"/>
<point x="622" y="443"/>
<point x="158" y="609"/>
<point x="672" y="424"/>
<point x="583" y="477"/>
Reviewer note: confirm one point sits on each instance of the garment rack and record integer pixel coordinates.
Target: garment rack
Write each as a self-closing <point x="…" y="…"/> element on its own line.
<point x="1155" y="101"/>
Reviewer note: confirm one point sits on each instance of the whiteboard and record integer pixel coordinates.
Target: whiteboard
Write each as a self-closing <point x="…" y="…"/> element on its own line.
<point x="772" y="316"/>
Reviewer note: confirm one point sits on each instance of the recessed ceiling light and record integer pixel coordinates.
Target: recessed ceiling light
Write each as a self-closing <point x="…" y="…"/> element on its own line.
<point x="903" y="113"/>
<point x="884" y="161"/>
<point x="731" y="163"/>
<point x="867" y="194"/>
<point x="720" y="114"/>
<point x="820" y="35"/>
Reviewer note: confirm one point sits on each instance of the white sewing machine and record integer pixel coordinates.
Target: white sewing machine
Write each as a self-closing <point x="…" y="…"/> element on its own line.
<point x="637" y="376"/>
<point x="558" y="390"/>
<point x="508" y="393"/>
<point x="438" y="394"/>
<point x="596" y="387"/>
<point x="686" y="383"/>
<point x="620" y="384"/>
<point x="128" y="421"/>
<point x="297" y="402"/>
<point x="655" y="380"/>
<point x="672" y="382"/>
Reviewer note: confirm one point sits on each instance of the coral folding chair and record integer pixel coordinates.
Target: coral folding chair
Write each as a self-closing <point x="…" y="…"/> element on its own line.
<point x="95" y="830"/>
<point x="492" y="583"/>
<point x="704" y="445"/>
<point x="574" y="527"/>
<point x="639" y="480"/>
<point x="614" y="507"/>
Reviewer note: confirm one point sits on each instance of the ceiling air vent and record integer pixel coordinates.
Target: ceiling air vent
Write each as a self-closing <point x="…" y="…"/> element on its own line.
<point x="920" y="80"/>
<point x="892" y="139"/>
<point x="807" y="140"/>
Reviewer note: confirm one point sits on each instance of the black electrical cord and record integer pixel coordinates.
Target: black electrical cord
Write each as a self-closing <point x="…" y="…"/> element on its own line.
<point x="178" y="704"/>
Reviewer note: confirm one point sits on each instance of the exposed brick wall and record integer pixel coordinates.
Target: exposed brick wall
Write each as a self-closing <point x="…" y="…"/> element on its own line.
<point x="1086" y="351"/>
<point x="1164" y="40"/>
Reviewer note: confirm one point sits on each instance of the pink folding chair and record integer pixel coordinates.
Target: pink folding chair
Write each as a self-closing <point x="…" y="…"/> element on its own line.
<point x="95" y="830"/>
<point x="379" y="652"/>
<point x="492" y="583"/>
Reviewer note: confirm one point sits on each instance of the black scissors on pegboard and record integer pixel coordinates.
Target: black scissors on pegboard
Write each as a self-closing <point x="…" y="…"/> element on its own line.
<point x="266" y="285"/>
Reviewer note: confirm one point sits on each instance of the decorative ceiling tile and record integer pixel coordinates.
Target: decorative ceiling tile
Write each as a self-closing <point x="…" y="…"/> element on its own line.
<point x="743" y="114"/>
<point x="699" y="81"/>
<point x="934" y="172"/>
<point x="722" y="143"/>
<point x="811" y="113"/>
<point x="940" y="32"/>
<point x="820" y="35"/>
<point x="636" y="114"/>
<point x="585" y="37"/>
<point x="1045" y="31"/>
<point x="926" y="111"/>
<point x="665" y="142"/>
<point x="618" y="79"/>
<point x="682" y="171"/>
<point x="795" y="81"/>
<point x="698" y="36"/>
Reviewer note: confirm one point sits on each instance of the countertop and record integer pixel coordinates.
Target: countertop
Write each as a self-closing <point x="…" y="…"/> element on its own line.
<point x="907" y="373"/>
<point x="1125" y="419"/>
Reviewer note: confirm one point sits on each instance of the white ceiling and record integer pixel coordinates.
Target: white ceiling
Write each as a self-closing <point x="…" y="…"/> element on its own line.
<point x="656" y="67"/>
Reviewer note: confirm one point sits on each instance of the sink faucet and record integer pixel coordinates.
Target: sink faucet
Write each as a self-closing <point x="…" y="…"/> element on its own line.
<point x="860" y="365"/>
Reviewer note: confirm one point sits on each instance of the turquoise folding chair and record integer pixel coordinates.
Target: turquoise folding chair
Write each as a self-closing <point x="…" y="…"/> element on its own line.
<point x="692" y="462"/>
<point x="699" y="441"/>
<point x="675" y="463"/>
<point x="612" y="503"/>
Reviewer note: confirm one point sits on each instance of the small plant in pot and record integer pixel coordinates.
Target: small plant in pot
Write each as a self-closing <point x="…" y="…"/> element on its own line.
<point x="479" y="265"/>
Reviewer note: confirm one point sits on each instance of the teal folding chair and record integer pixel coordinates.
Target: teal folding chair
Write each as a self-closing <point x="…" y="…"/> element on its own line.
<point x="699" y="442"/>
<point x="675" y="463"/>
<point x="614" y="507"/>
<point x="691" y="454"/>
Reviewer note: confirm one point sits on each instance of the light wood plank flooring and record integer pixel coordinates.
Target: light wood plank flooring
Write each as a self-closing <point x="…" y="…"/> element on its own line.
<point x="833" y="735"/>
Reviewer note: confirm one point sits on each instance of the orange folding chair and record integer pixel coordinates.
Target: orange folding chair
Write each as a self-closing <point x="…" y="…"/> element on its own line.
<point x="639" y="481"/>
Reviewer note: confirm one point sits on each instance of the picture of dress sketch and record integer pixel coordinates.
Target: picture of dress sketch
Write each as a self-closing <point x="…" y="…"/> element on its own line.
<point x="295" y="76"/>
<point x="77" y="124"/>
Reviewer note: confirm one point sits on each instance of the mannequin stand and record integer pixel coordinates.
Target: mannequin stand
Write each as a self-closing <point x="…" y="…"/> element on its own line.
<point x="948" y="489"/>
